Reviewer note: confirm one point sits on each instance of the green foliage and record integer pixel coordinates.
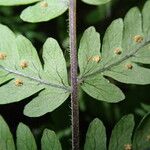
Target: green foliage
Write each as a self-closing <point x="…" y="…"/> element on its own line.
<point x="96" y="136"/>
<point x="44" y="10"/>
<point x="141" y="139"/>
<point x="48" y="144"/>
<point x="89" y="57"/>
<point x="101" y="89"/>
<point x="6" y="139"/>
<point x="46" y="101"/>
<point x="146" y="18"/>
<point x="25" y="139"/>
<point x="121" y="137"/>
<point x="89" y="46"/>
<point x="56" y="72"/>
<point x="17" y="92"/>
<point x="96" y="2"/>
<point x="16" y="2"/>
<point x="122" y="133"/>
<point x="20" y="62"/>
<point x="121" y="56"/>
<point x="124" y="46"/>
<point x="133" y="41"/>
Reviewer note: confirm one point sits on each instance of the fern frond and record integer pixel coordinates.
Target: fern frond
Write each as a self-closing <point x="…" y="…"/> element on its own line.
<point x="125" y="47"/>
<point x="22" y="74"/>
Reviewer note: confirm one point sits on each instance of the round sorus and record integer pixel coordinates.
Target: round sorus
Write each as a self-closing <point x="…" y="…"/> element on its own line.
<point x="138" y="38"/>
<point x="18" y="82"/>
<point x="2" y="56"/>
<point x="44" y="4"/>
<point x="24" y="64"/>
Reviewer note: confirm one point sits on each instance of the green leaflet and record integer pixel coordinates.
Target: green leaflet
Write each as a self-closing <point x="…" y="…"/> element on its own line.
<point x="47" y="101"/>
<point x="143" y="55"/>
<point x="125" y="70"/>
<point x="96" y="2"/>
<point x="101" y="89"/>
<point x="124" y="46"/>
<point x="25" y="139"/>
<point x="135" y="75"/>
<point x="132" y="28"/>
<point x="112" y="42"/>
<point x="89" y="52"/>
<point x="11" y="92"/>
<point x="54" y="71"/>
<point x="8" y="54"/>
<point x="89" y="61"/>
<point x="122" y="133"/>
<point x="141" y="139"/>
<point x="146" y="20"/>
<point x="54" y="63"/>
<point x="96" y="136"/>
<point x="23" y="67"/>
<point x="11" y="66"/>
<point x="134" y="49"/>
<point x="44" y="10"/>
<point x="8" y="50"/>
<point x="50" y="141"/>
<point x="27" y="53"/>
<point x="6" y="139"/>
<point x="16" y="2"/>
<point x="4" y="77"/>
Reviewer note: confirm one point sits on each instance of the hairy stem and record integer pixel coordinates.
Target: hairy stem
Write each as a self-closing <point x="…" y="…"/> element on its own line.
<point x="73" y="57"/>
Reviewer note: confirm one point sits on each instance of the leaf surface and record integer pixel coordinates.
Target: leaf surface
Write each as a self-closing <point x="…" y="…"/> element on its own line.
<point x="125" y="47"/>
<point x="11" y="92"/>
<point x="146" y="20"/>
<point x="22" y="77"/>
<point x="122" y="133"/>
<point x="112" y="42"/>
<point x="134" y="49"/>
<point x="136" y="75"/>
<point x="96" y="2"/>
<point x="16" y="2"/>
<point x="6" y="139"/>
<point x="141" y="139"/>
<point x="96" y="136"/>
<point x="89" y="51"/>
<point x="47" y="101"/>
<point x="25" y="139"/>
<point x="22" y="68"/>
<point x="54" y="62"/>
<point x="44" y="10"/>
<point x="50" y="141"/>
<point x="8" y="51"/>
<point x="101" y="89"/>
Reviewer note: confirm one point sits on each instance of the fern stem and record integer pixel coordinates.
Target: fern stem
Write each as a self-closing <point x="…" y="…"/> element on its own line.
<point x="73" y="57"/>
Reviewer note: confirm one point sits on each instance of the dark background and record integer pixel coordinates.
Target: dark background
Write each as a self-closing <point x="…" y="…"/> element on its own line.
<point x="60" y="119"/>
